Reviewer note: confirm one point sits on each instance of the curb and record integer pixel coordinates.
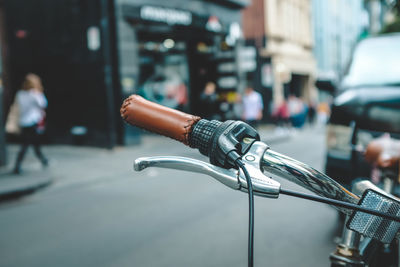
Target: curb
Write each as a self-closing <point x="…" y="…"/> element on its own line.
<point x="23" y="188"/>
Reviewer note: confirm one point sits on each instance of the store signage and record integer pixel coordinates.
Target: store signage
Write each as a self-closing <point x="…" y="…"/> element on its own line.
<point x="227" y="82"/>
<point x="166" y="15"/>
<point x="267" y="77"/>
<point x="247" y="52"/>
<point x="247" y="58"/>
<point x="226" y="67"/>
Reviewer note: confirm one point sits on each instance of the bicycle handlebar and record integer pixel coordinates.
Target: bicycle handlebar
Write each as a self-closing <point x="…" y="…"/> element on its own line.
<point x="306" y="176"/>
<point x="210" y="136"/>
<point x="234" y="144"/>
<point x="222" y="142"/>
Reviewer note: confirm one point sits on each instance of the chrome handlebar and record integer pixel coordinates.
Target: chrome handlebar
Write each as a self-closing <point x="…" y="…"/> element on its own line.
<point x="259" y="158"/>
<point x="305" y="176"/>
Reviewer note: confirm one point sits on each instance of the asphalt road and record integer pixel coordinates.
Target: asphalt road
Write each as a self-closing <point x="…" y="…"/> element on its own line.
<point x="102" y="214"/>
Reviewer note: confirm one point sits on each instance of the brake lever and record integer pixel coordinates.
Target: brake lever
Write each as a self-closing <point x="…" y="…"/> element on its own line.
<point x="226" y="176"/>
<point x="262" y="185"/>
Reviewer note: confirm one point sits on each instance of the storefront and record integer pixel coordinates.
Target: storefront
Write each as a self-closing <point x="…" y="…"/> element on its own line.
<point x="92" y="54"/>
<point x="168" y="53"/>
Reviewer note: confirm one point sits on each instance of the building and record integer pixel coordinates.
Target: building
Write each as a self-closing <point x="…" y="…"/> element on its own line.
<point x="178" y="46"/>
<point x="337" y="26"/>
<point x="2" y="117"/>
<point x="281" y="31"/>
<point x="92" y="54"/>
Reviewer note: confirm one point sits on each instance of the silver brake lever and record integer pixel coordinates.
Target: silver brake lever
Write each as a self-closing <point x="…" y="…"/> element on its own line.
<point x="227" y="177"/>
<point x="262" y="185"/>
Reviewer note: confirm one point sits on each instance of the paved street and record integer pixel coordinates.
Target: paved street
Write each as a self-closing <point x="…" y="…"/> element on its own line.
<point x="98" y="212"/>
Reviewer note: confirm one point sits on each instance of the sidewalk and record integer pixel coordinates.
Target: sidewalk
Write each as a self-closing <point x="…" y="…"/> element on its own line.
<point x="13" y="186"/>
<point x="74" y="164"/>
<point x="33" y="178"/>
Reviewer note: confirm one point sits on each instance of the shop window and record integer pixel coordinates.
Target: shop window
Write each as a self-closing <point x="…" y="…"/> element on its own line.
<point x="164" y="73"/>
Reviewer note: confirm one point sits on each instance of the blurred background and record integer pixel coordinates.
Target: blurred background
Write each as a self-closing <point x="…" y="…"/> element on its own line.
<point x="302" y="57"/>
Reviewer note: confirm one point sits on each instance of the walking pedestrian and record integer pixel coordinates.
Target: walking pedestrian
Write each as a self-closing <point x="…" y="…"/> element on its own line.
<point x="297" y="111"/>
<point x="252" y="107"/>
<point x="209" y="101"/>
<point x="31" y="102"/>
<point x="281" y="115"/>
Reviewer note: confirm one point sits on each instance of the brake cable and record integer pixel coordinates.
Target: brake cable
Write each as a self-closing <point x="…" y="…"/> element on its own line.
<point x="339" y="203"/>
<point x="250" y="255"/>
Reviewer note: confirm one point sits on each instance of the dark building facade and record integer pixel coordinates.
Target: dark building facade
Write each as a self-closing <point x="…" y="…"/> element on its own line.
<point x="91" y="54"/>
<point x="2" y="71"/>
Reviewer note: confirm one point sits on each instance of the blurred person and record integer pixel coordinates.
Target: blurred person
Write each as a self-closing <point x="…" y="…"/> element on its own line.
<point x="281" y="115"/>
<point x="223" y="106"/>
<point x="230" y="106"/>
<point x="238" y="106"/>
<point x="252" y="106"/>
<point x="175" y="89"/>
<point x="31" y="103"/>
<point x="323" y="112"/>
<point x="311" y="112"/>
<point x="177" y="93"/>
<point x="297" y="111"/>
<point x="209" y="101"/>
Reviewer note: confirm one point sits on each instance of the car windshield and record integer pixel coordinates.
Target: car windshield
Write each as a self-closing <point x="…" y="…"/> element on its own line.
<point x="376" y="62"/>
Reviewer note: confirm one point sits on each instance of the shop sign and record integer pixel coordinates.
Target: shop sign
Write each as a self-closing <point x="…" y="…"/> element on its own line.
<point x="248" y="65"/>
<point x="227" y="82"/>
<point x="247" y="52"/>
<point x="166" y="15"/>
<point x="226" y="67"/>
<point x="225" y="55"/>
<point x="267" y="77"/>
<point x="247" y="58"/>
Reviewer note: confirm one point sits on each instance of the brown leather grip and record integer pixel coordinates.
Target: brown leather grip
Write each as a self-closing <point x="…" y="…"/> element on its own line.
<point x="155" y="118"/>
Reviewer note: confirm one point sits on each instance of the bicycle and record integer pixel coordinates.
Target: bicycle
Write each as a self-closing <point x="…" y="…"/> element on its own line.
<point x="383" y="154"/>
<point x="239" y="160"/>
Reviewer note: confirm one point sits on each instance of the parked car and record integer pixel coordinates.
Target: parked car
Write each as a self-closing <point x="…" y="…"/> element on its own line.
<point x="367" y="106"/>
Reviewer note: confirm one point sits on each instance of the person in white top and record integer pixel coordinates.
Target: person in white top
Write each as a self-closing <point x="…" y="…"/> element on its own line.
<point x="31" y="103"/>
<point x="252" y="107"/>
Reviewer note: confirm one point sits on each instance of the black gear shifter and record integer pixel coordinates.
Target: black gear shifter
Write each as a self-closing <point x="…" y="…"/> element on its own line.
<point x="223" y="142"/>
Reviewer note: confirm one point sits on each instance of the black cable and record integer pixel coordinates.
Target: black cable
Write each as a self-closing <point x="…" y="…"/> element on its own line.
<point x="340" y="204"/>
<point x="250" y="251"/>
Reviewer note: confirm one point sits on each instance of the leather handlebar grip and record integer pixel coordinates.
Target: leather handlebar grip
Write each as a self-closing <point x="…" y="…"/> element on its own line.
<point x="156" y="118"/>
